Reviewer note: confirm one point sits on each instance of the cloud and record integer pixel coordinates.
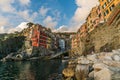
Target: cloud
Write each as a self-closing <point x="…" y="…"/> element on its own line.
<point x="6" y="5"/>
<point x="22" y="25"/>
<point x="19" y="28"/>
<point x="49" y="22"/>
<point x="25" y="2"/>
<point x="80" y="15"/>
<point x="82" y="11"/>
<point x="24" y="14"/>
<point x="62" y="28"/>
<point x="3" y="21"/>
<point x="27" y="16"/>
<point x="84" y="7"/>
<point x="56" y="15"/>
<point x="86" y="3"/>
<point x="43" y="11"/>
<point x="2" y="29"/>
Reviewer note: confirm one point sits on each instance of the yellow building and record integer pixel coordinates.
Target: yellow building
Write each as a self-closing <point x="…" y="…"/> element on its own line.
<point x="92" y="17"/>
<point x="49" y="43"/>
<point x="49" y="38"/>
<point x="83" y="30"/>
<point x="74" y="42"/>
<point x="107" y="7"/>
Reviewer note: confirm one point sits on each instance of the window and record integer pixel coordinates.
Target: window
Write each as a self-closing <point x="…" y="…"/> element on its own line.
<point x="90" y="21"/>
<point x="107" y="11"/>
<point x="88" y="24"/>
<point x="104" y="5"/>
<point x="104" y="13"/>
<point x="111" y="8"/>
<point x="113" y="5"/>
<point x="100" y="15"/>
<point x="108" y="1"/>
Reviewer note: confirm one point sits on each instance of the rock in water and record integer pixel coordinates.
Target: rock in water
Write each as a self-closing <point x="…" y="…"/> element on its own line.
<point x="68" y="72"/>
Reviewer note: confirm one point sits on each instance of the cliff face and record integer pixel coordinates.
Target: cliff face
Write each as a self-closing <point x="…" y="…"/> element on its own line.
<point x="105" y="37"/>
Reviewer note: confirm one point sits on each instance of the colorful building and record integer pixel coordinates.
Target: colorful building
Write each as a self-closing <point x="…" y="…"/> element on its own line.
<point x="83" y="30"/>
<point x="39" y="37"/>
<point x="74" y="43"/>
<point x="94" y="18"/>
<point x="107" y="7"/>
<point x="100" y="15"/>
<point x="42" y="37"/>
<point x="49" y="38"/>
<point x="91" y="19"/>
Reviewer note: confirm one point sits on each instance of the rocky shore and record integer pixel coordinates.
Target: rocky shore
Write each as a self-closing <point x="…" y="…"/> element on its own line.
<point x="27" y="52"/>
<point x="97" y="66"/>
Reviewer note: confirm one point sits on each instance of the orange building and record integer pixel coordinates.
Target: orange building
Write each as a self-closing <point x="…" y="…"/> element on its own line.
<point x="39" y="37"/>
<point x="83" y="30"/>
<point x="100" y="15"/>
<point x="107" y="7"/>
<point x="91" y="19"/>
<point x="94" y="18"/>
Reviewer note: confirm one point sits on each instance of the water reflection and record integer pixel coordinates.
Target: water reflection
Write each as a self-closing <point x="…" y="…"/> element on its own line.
<point x="30" y="70"/>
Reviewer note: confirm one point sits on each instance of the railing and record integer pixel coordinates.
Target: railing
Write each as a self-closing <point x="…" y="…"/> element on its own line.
<point x="58" y="54"/>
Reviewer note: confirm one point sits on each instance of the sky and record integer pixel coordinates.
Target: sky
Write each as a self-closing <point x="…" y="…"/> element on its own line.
<point x="59" y="15"/>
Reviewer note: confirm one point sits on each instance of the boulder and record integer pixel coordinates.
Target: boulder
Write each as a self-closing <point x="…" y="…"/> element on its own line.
<point x="83" y="61"/>
<point x="19" y="56"/>
<point x="92" y="57"/>
<point x="91" y="74"/>
<point x="10" y="55"/>
<point x="116" y="76"/>
<point x="99" y="66"/>
<point x="116" y="57"/>
<point x="104" y="74"/>
<point x="115" y="73"/>
<point x="108" y="58"/>
<point x="68" y="72"/>
<point x="112" y="63"/>
<point x="101" y="72"/>
<point x="82" y="70"/>
<point x="116" y="51"/>
<point x="119" y="50"/>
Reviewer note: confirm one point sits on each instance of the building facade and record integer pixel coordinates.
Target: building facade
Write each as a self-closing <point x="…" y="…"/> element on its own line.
<point x="74" y="42"/>
<point x="83" y="30"/>
<point x="39" y="37"/>
<point x="107" y="7"/>
<point x="42" y="37"/>
<point x="92" y="19"/>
